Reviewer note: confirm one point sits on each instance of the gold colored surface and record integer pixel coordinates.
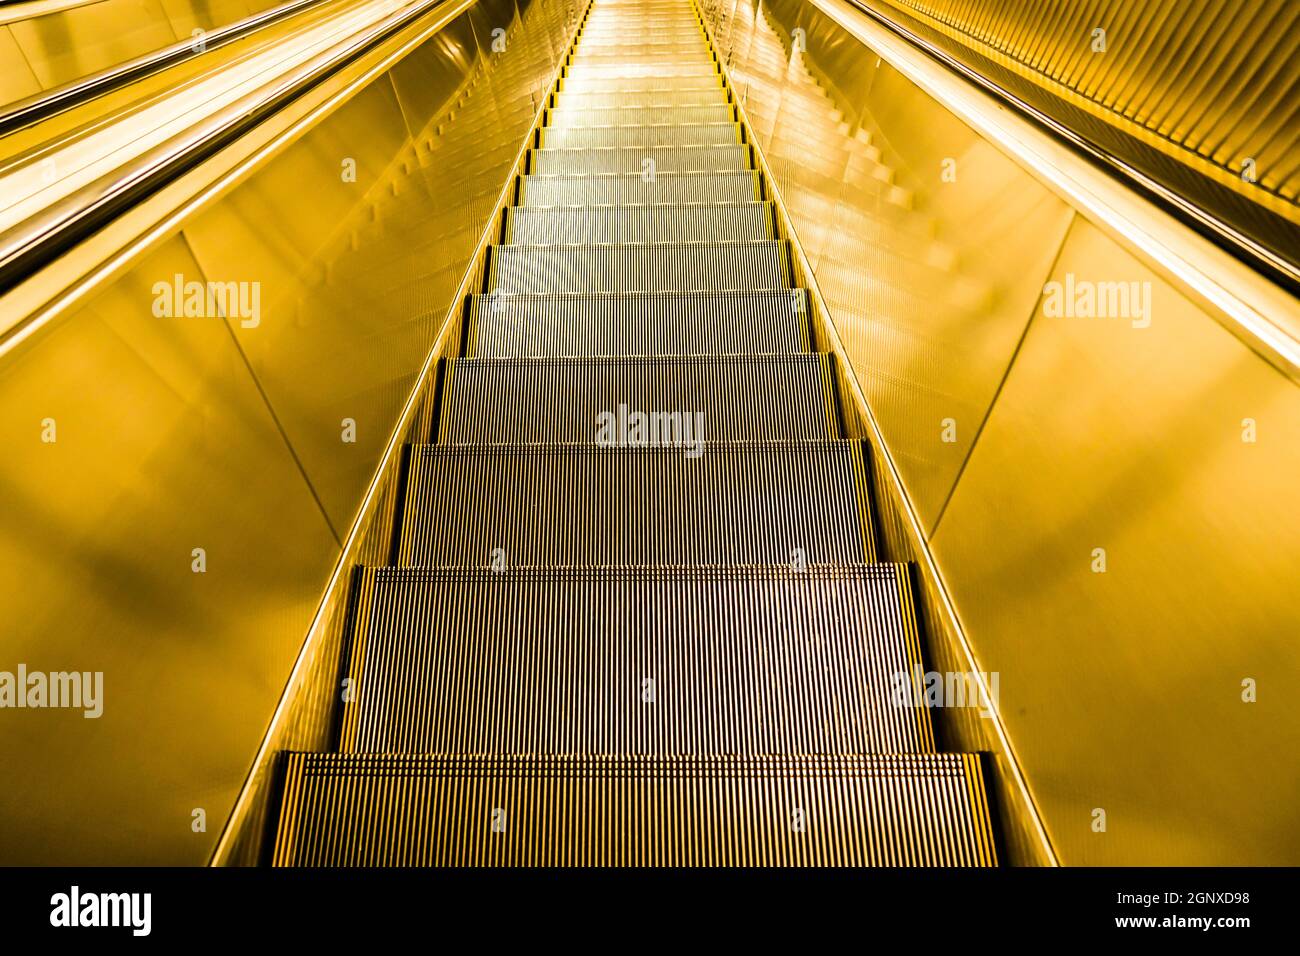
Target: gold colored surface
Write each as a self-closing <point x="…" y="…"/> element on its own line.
<point x="183" y="433"/>
<point x="59" y="47"/>
<point x="16" y="77"/>
<point x="163" y="445"/>
<point x="1211" y="104"/>
<point x="124" y="102"/>
<point x="1120" y="691"/>
<point x="1123" y="689"/>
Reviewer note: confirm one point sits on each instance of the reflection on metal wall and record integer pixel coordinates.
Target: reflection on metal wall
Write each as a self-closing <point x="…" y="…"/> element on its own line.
<point x="177" y="484"/>
<point x="1108" y="495"/>
<point x="1217" y="78"/>
<point x="40" y="49"/>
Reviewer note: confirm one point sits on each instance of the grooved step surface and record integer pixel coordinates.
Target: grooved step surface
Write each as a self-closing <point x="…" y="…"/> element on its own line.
<point x="695" y="222"/>
<point x="640" y="116"/>
<point x="705" y="96"/>
<point x="645" y="160"/>
<point x="885" y="810"/>
<point x="639" y="661"/>
<point x="688" y="267"/>
<point x="665" y="323"/>
<point x="504" y="401"/>
<point x="662" y="134"/>
<point x="622" y="188"/>
<point x="682" y="503"/>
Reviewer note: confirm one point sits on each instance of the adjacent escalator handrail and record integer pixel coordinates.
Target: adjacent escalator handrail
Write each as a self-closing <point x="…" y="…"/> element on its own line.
<point x="47" y="103"/>
<point x="1223" y="234"/>
<point x="37" y="241"/>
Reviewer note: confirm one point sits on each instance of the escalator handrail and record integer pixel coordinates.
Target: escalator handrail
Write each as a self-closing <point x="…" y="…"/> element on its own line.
<point x="41" y="106"/>
<point x="1224" y="235"/>
<point x="37" y="241"/>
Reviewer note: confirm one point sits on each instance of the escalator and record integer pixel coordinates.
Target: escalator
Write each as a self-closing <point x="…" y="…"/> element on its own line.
<point x="633" y="613"/>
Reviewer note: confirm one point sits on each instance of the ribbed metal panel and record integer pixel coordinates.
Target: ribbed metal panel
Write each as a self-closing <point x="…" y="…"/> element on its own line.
<point x="669" y="85"/>
<point x="422" y="810"/>
<point x="606" y="189"/>
<point x="686" y="134"/>
<point x="657" y="159"/>
<point x="640" y="115"/>
<point x="667" y="323"/>
<point x="642" y="661"/>
<point x="585" y="506"/>
<point x="760" y="264"/>
<point x="705" y="96"/>
<point x="693" y="222"/>
<point x="521" y="401"/>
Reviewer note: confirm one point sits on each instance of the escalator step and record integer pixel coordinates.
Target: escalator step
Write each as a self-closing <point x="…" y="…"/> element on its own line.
<point x="686" y="222"/>
<point x="663" y="134"/>
<point x="669" y="86"/>
<point x="648" y="267"/>
<point x="635" y="661"/>
<point x="883" y="810"/>
<point x="708" y="96"/>
<point x="521" y="401"/>
<point x="601" y="505"/>
<point x="663" y="69"/>
<point x="664" y="323"/>
<point x="631" y="188"/>
<point x="639" y="159"/>
<point x="640" y="115"/>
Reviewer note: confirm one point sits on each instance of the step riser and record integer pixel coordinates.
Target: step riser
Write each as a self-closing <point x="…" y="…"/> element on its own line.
<point x="745" y="324"/>
<point x="666" y="268"/>
<point x="698" y="134"/>
<point x="659" y="159"/>
<point x="639" y="116"/>
<point x="639" y="224"/>
<point x="349" y="811"/>
<point x="633" y="190"/>
<point x="500" y="402"/>
<point x="677" y="504"/>
<point x="787" y="663"/>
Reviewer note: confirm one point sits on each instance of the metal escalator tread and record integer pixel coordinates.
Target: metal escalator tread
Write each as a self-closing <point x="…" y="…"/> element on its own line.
<point x="662" y="222"/>
<point x="623" y="188"/>
<point x="716" y="503"/>
<point x="525" y="810"/>
<point x="636" y="159"/>
<point x="641" y="267"/>
<point x="641" y="116"/>
<point x="634" y="616"/>
<point x="662" y="134"/>
<point x="664" y="323"/>
<point x="634" y="661"/>
<point x="562" y="400"/>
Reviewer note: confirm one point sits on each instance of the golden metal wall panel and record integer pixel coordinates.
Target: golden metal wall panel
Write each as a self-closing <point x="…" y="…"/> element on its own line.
<point x="17" y="79"/>
<point x="322" y="358"/>
<point x="131" y="440"/>
<point x="1124" y="690"/>
<point x="64" y="46"/>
